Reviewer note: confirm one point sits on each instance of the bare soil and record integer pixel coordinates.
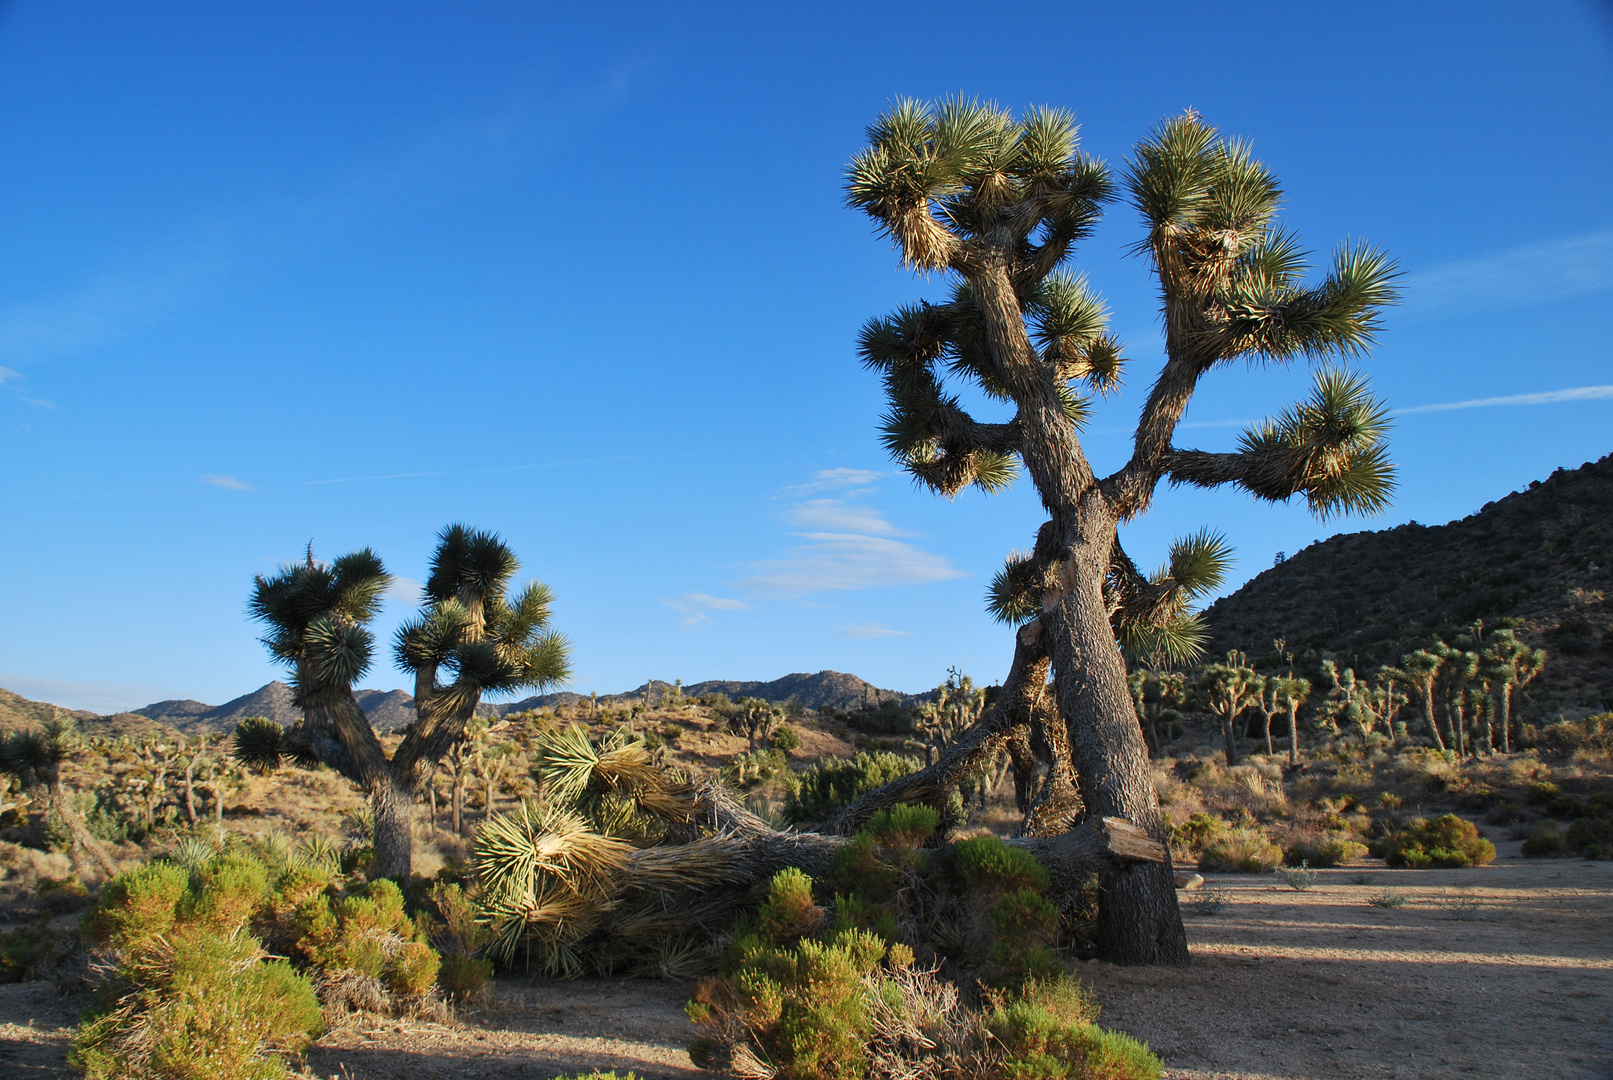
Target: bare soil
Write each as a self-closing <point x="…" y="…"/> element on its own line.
<point x="1504" y="971"/>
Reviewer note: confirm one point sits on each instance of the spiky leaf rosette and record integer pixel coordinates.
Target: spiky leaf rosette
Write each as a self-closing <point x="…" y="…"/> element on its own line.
<point x="258" y="744"/>
<point x="1332" y="448"/>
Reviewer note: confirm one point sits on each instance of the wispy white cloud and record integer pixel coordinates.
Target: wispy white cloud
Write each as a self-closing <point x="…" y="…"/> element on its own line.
<point x="870" y="630"/>
<point x="848" y="561"/>
<point x="403" y="590"/>
<point x="228" y="482"/>
<point x="834" y="480"/>
<point x="1548" y="397"/>
<point x="696" y="606"/>
<point x="833" y="515"/>
<point x="1532" y="274"/>
<point x="7" y="374"/>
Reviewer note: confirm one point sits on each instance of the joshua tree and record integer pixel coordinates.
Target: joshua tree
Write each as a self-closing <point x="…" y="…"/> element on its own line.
<point x="1229" y="689"/>
<point x="35" y="758"/>
<point x="1509" y="665"/>
<point x="1458" y="669"/>
<point x="1421" y="669"/>
<point x="1292" y="692"/>
<point x="468" y="626"/>
<point x="758" y="719"/>
<point x="1155" y="693"/>
<point x="999" y="203"/>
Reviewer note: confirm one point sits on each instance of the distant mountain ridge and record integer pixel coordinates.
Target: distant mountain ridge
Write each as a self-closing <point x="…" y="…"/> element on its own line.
<point x="1539" y="557"/>
<point x="389" y="710"/>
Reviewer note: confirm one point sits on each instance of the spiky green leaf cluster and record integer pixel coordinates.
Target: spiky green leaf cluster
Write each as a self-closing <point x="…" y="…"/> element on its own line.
<point x="316" y="614"/>
<point x="1332" y="447"/>
<point x="488" y="639"/>
<point x="939" y="180"/>
<point x="1232" y="278"/>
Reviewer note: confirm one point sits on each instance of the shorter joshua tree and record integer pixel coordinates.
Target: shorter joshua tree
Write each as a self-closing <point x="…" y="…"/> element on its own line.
<point x="1230" y="688"/>
<point x="488" y="639"/>
<point x="1422" y="669"/>
<point x="1292" y="692"/>
<point x="35" y="758"/>
<point x="1509" y="665"/>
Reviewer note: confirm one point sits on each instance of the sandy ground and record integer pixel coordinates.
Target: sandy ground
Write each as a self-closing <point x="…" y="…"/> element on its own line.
<point x="1505" y="971"/>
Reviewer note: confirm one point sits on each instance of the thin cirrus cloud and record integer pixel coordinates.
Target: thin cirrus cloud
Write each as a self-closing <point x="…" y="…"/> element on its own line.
<point x="870" y="631"/>
<point x="848" y="546"/>
<point x="830" y="561"/>
<point x="1531" y="274"/>
<point x="1547" y="397"/>
<point x="833" y="515"/>
<point x="229" y="483"/>
<point x="697" y="606"/>
<point x="834" y="480"/>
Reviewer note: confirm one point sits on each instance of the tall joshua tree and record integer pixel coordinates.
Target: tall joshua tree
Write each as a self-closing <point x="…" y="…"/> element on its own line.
<point x="490" y="641"/>
<point x="998" y="204"/>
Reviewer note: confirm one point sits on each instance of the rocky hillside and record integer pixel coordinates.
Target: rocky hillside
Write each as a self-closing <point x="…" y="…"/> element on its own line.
<point x="1537" y="559"/>
<point x="389" y="710"/>
<point x="826" y="689"/>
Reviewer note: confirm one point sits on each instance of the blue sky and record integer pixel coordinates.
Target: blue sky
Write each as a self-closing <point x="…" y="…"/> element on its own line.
<point x="581" y="274"/>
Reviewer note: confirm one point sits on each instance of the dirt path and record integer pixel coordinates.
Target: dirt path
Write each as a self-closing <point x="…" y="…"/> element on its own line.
<point x="1505" y="971"/>
<point x="1501" y="971"/>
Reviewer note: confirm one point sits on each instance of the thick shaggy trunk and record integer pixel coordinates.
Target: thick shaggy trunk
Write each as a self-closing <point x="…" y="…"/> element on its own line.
<point x="1229" y="736"/>
<point x="1293" y="733"/>
<point x="392" y="805"/>
<point x="1023" y="760"/>
<point x="1056" y="807"/>
<point x="1138" y="918"/>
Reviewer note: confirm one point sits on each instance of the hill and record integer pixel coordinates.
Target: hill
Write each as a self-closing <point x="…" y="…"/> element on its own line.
<point x="824" y="690"/>
<point x="18" y="713"/>
<point x="1537" y="560"/>
<point x="387" y="709"/>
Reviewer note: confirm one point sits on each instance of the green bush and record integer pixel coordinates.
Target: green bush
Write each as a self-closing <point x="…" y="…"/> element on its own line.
<point x="1040" y="1041"/>
<point x="1247" y="850"/>
<point x="1542" y="792"/>
<point x="786" y="739"/>
<point x="368" y="932"/>
<point x="1544" y="844"/>
<point x="1566" y="806"/>
<point x="1445" y="842"/>
<point x="1590" y="833"/>
<point x="985" y="862"/>
<point x="1332" y="851"/>
<point x="193" y="994"/>
<point x="1027" y="926"/>
<point x="24" y="951"/>
<point x="827" y="786"/>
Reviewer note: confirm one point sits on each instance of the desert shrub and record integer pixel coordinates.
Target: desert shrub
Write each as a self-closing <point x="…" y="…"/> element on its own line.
<point x="1545" y="843"/>
<point x="25" y="951"/>
<point x="1542" y="792"/>
<point x="985" y="862"/>
<point x="801" y="997"/>
<point x="459" y="935"/>
<point x="1593" y="734"/>
<point x="827" y="786"/>
<point x="1027" y="928"/>
<point x="63" y="894"/>
<point x="1328" y="851"/>
<point x="192" y="993"/>
<point x="1566" y="806"/>
<point x="1448" y="841"/>
<point x="367" y="932"/>
<point x="1040" y="1039"/>
<point x="1199" y="831"/>
<point x="786" y="739"/>
<point x="1246" y="849"/>
<point x="1591" y="837"/>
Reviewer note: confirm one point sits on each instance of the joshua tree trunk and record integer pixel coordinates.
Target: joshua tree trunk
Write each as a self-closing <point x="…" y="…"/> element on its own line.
<point x="84" y="841"/>
<point x="1426" y="692"/>
<point x="1503" y="704"/>
<point x="392" y="806"/>
<point x="1023" y="761"/>
<point x="1229" y="736"/>
<point x="1138" y="918"/>
<point x="1293" y="732"/>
